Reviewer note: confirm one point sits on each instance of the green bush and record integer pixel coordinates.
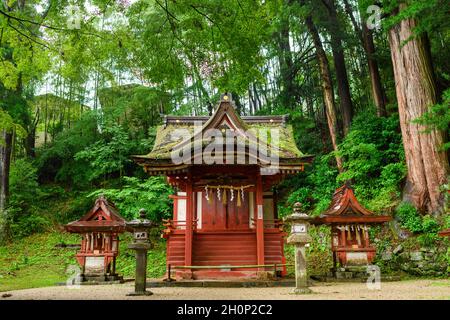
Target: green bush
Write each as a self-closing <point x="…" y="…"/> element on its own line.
<point x="151" y="194"/>
<point x="426" y="226"/>
<point x="409" y="217"/>
<point x="23" y="215"/>
<point x="28" y="224"/>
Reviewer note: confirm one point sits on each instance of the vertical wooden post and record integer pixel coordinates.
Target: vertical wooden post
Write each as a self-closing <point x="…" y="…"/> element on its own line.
<point x="366" y="237"/>
<point x="259" y="222"/>
<point x="343" y="238"/>
<point x="189" y="219"/>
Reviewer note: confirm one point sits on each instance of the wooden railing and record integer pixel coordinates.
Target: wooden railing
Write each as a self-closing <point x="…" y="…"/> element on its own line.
<point x="171" y="225"/>
<point x="270" y="223"/>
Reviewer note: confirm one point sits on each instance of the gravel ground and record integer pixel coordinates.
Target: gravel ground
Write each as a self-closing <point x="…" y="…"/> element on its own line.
<point x="411" y="289"/>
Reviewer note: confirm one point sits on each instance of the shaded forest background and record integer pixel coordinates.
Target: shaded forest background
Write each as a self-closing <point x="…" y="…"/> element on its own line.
<point x="370" y="101"/>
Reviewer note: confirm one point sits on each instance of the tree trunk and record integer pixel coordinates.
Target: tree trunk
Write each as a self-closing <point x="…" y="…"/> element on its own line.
<point x="416" y="92"/>
<point x="378" y="94"/>
<point x="285" y="59"/>
<point x="366" y="37"/>
<point x="339" y="65"/>
<point x="5" y="162"/>
<point x="327" y="87"/>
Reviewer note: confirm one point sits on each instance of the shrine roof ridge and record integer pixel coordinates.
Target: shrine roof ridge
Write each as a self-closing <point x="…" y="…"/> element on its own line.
<point x="275" y="119"/>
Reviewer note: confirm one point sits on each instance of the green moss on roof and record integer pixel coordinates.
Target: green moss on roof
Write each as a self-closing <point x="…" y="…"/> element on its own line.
<point x="287" y="147"/>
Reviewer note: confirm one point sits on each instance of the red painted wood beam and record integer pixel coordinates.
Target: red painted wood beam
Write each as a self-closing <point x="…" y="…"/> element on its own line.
<point x="259" y="221"/>
<point x="189" y="219"/>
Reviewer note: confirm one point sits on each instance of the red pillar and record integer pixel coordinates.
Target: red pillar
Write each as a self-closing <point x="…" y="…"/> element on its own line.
<point x="259" y="222"/>
<point x="188" y="231"/>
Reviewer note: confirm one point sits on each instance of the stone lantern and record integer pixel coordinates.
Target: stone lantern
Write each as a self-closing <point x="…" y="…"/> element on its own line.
<point x="140" y="229"/>
<point x="299" y="237"/>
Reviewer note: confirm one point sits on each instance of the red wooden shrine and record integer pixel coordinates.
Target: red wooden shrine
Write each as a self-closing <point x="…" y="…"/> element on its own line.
<point x="444" y="233"/>
<point x="350" y="223"/>
<point x="99" y="228"/>
<point x="224" y="213"/>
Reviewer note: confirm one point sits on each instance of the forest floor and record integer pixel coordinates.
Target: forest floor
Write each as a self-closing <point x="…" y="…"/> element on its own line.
<point x="407" y="289"/>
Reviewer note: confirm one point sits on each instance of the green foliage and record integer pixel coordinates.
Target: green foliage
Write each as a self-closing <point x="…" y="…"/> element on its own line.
<point x="23" y="214"/>
<point x="409" y="217"/>
<point x="108" y="155"/>
<point x="426" y="226"/>
<point x="374" y="160"/>
<point x="7" y="123"/>
<point x="56" y="161"/>
<point x="150" y="194"/>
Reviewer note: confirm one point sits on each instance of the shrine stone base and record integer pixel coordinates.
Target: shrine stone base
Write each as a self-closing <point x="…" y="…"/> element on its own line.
<point x="357" y="272"/>
<point x="95" y="279"/>
<point x="351" y="274"/>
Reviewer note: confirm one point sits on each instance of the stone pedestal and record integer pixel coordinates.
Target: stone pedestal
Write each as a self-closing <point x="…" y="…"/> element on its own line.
<point x="301" y="275"/>
<point x="141" y="269"/>
<point x="140" y="245"/>
<point x="299" y="238"/>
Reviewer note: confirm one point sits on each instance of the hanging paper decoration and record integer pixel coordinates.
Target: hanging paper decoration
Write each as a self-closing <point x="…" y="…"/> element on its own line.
<point x="222" y="194"/>
<point x="224" y="198"/>
<point x="218" y="194"/>
<point x="238" y="199"/>
<point x="358" y="237"/>
<point x="207" y="194"/>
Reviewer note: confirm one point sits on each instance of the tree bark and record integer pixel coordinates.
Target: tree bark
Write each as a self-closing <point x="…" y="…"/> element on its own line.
<point x="378" y="94"/>
<point x="5" y="163"/>
<point x="416" y="92"/>
<point x="287" y="93"/>
<point x="327" y="87"/>
<point x="339" y="65"/>
<point x="366" y="37"/>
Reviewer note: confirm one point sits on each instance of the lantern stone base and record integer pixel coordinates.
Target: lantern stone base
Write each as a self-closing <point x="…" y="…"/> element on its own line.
<point x="305" y="290"/>
<point x="142" y="293"/>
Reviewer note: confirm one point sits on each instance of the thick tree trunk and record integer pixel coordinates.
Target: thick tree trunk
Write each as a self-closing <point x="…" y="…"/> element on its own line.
<point x="5" y="162"/>
<point x="327" y="87"/>
<point x="416" y="92"/>
<point x="339" y="65"/>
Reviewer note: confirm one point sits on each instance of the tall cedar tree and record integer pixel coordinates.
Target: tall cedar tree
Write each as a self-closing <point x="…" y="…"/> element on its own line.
<point x="327" y="86"/>
<point x="335" y="31"/>
<point x="416" y="92"/>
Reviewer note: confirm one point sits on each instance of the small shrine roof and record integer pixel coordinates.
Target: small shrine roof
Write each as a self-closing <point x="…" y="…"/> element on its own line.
<point x="225" y="116"/>
<point x="103" y="217"/>
<point x="345" y="208"/>
<point x="444" y="233"/>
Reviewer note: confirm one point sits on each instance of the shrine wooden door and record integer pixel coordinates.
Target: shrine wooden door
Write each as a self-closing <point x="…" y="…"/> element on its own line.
<point x="215" y="215"/>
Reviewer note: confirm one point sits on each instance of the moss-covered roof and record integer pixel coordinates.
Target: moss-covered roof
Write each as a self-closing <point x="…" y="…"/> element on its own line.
<point x="258" y="130"/>
<point x="164" y="144"/>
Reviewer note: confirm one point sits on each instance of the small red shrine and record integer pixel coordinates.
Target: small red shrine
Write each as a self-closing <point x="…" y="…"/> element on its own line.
<point x="444" y="233"/>
<point x="350" y="223"/>
<point x="225" y="221"/>
<point x="99" y="228"/>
